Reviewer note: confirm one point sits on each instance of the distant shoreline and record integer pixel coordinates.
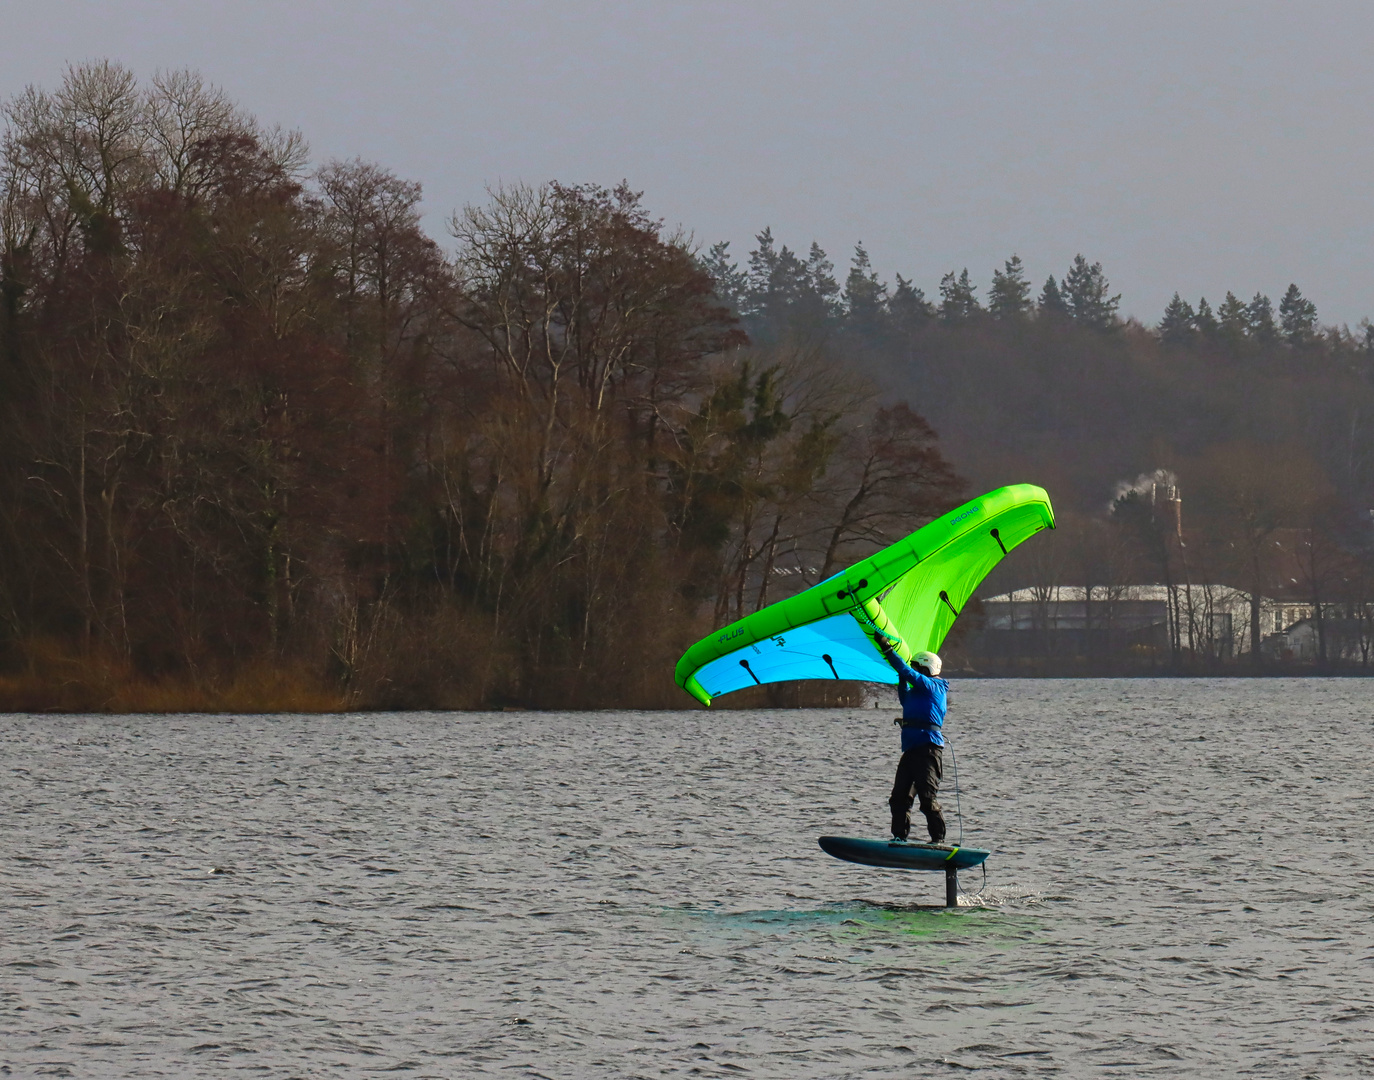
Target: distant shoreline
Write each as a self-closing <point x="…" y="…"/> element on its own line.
<point x="269" y="693"/>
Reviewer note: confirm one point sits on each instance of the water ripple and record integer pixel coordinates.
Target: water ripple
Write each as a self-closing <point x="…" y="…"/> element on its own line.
<point x="1180" y="886"/>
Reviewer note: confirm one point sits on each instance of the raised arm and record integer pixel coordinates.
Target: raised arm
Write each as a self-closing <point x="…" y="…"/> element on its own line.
<point x="903" y="669"/>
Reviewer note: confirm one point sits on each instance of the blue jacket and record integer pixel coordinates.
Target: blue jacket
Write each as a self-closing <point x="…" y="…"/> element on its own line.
<point x="924" y="701"/>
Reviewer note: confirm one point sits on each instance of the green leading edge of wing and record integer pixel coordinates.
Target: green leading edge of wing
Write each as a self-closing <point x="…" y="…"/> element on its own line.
<point x="913" y="590"/>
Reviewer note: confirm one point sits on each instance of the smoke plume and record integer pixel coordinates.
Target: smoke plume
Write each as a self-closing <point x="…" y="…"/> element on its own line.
<point x="1144" y="485"/>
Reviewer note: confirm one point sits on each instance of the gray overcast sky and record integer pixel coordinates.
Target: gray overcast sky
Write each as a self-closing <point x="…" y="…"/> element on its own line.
<point x="1194" y="146"/>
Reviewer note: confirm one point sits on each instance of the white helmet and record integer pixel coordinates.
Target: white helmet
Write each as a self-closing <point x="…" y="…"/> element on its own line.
<point x="929" y="661"/>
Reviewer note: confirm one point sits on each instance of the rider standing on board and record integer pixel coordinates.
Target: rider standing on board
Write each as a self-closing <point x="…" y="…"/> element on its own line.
<point x="923" y="696"/>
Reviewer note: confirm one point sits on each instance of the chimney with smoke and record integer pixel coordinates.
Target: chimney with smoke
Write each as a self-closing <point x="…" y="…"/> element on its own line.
<point x="1168" y="507"/>
<point x="1160" y="490"/>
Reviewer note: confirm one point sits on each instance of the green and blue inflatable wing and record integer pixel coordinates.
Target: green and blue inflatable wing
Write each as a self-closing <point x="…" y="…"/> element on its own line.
<point x="909" y="593"/>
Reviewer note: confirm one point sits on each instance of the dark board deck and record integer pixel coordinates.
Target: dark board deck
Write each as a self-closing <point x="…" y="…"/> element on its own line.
<point x="903" y="855"/>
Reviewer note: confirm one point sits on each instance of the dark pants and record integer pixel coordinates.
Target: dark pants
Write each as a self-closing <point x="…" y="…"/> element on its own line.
<point x="918" y="776"/>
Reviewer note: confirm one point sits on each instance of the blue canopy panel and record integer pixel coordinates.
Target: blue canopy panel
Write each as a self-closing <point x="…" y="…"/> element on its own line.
<point x="800" y="654"/>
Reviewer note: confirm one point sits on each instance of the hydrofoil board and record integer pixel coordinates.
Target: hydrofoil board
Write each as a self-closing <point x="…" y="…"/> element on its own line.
<point x="903" y="854"/>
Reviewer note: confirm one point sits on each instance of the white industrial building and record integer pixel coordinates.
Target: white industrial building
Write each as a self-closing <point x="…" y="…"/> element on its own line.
<point x="1208" y="620"/>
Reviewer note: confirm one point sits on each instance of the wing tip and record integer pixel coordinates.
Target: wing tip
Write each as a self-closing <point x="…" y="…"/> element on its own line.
<point x="695" y="689"/>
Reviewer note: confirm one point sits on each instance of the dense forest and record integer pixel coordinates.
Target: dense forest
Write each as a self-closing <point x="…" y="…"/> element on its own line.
<point x="266" y="444"/>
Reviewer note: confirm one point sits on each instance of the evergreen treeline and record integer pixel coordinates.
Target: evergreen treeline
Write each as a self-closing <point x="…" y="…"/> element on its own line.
<point x="265" y="444"/>
<point x="1054" y="381"/>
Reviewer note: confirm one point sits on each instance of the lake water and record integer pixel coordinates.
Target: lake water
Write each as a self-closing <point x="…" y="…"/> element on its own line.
<point x="1181" y="885"/>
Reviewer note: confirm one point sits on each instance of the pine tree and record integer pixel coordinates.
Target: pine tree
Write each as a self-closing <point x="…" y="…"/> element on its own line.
<point x="1176" y="327"/>
<point x="1009" y="297"/>
<point x="1234" y="318"/>
<point x="1297" y="316"/>
<point x="781" y="291"/>
<point x="957" y="299"/>
<point x="1260" y="314"/>
<point x="1052" y="300"/>
<point x="732" y="284"/>
<point x="1085" y="295"/>
<point x="1205" y="322"/>
<point x="790" y="278"/>
<point x="865" y="297"/>
<point x="820" y="280"/>
<point x="763" y="266"/>
<point x="909" y="307"/>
